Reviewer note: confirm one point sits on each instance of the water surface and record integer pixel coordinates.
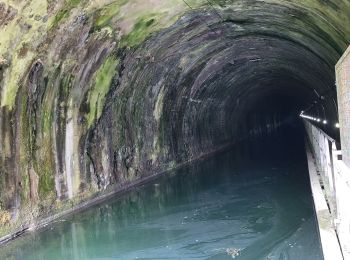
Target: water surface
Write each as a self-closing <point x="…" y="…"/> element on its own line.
<point x="251" y="206"/>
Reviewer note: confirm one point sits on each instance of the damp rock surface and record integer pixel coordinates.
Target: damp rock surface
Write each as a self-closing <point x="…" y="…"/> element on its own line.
<point x="97" y="94"/>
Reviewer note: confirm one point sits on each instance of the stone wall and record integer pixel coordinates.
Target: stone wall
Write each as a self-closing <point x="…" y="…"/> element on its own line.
<point x="98" y="94"/>
<point x="343" y="92"/>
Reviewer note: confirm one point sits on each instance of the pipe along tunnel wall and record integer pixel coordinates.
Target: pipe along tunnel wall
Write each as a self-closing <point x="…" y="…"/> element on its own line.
<point x="97" y="95"/>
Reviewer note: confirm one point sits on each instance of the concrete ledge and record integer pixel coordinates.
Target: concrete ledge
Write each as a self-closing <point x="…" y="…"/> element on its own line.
<point x="329" y="239"/>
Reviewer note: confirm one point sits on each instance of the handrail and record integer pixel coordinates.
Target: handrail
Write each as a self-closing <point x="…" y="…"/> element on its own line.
<point x="321" y="131"/>
<point x="334" y="176"/>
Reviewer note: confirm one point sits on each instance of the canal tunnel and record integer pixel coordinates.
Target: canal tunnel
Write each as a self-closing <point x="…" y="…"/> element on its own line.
<point x="110" y="93"/>
<point x="219" y="75"/>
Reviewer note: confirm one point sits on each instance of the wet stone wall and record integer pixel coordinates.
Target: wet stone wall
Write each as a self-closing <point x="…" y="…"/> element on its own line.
<point x="98" y="94"/>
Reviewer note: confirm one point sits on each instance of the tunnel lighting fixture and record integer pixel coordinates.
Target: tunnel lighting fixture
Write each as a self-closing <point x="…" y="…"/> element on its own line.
<point x="310" y="117"/>
<point x="306" y="116"/>
<point x="324" y="121"/>
<point x="337" y="125"/>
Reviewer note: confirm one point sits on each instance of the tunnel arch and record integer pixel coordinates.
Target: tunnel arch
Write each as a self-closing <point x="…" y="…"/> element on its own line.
<point x="199" y="68"/>
<point x="123" y="93"/>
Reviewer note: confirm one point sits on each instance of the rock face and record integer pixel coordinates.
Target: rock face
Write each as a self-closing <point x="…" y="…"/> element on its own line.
<point x="96" y="94"/>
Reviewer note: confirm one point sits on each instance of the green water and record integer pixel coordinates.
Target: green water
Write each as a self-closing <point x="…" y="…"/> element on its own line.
<point x="256" y="204"/>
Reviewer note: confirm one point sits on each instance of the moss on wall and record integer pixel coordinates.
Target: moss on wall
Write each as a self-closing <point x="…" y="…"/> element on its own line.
<point x="103" y="80"/>
<point x="142" y="84"/>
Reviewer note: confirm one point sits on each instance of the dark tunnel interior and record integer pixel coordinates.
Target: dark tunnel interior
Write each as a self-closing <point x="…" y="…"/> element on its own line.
<point x="226" y="80"/>
<point x="111" y="92"/>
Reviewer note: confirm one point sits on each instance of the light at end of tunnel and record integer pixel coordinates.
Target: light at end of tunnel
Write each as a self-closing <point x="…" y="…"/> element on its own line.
<point x="337" y="125"/>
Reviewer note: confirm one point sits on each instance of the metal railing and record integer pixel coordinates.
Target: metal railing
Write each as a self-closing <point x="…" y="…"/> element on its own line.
<point x="334" y="177"/>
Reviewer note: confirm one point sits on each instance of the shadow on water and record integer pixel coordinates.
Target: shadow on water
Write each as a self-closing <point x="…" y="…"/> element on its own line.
<point x="250" y="203"/>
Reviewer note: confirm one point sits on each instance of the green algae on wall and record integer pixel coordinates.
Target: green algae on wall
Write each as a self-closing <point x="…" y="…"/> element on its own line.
<point x="103" y="80"/>
<point x="134" y="81"/>
<point x="63" y="13"/>
<point x="104" y="16"/>
<point x="29" y="26"/>
<point x="143" y="27"/>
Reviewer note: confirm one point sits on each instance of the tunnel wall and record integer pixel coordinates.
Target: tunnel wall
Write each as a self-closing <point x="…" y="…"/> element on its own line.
<point x="343" y="91"/>
<point x="95" y="95"/>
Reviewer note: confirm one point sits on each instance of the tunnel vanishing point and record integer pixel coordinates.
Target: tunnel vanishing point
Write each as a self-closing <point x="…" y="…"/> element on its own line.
<point x="98" y="95"/>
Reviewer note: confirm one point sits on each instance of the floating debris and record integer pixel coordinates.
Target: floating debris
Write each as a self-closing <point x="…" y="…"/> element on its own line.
<point x="233" y="252"/>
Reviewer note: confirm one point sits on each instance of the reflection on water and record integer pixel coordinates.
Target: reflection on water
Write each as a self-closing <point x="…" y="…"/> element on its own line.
<point x="221" y="208"/>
